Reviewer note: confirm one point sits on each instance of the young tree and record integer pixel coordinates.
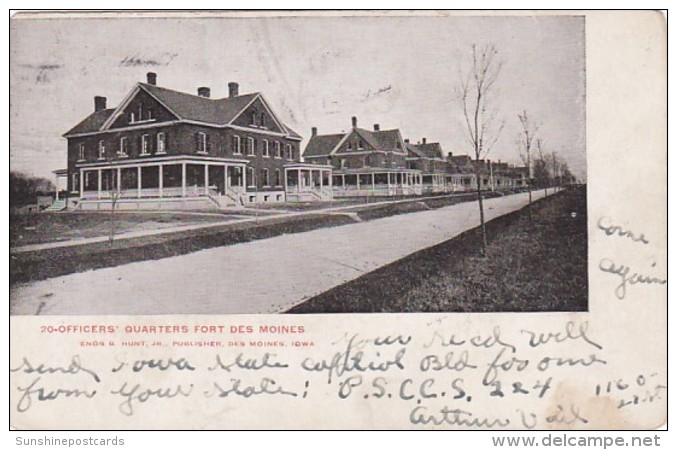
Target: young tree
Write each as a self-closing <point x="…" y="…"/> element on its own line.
<point x="541" y="168"/>
<point x="524" y="143"/>
<point x="475" y="90"/>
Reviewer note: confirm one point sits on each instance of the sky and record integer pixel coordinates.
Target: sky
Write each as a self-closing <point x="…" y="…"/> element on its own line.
<point x="399" y="72"/>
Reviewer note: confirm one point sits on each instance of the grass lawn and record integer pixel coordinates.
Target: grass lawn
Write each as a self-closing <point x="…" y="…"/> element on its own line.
<point x="28" y="229"/>
<point x="48" y="263"/>
<point x="537" y="266"/>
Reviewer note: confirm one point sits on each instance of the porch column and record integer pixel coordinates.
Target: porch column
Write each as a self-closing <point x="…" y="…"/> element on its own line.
<point x="138" y="182"/>
<point x="243" y="178"/>
<point x="207" y="179"/>
<point x="388" y="180"/>
<point x="373" y="182"/>
<point x="119" y="184"/>
<point x="286" y="188"/>
<point x="82" y="183"/>
<point x="343" y="181"/>
<point x="358" y="181"/>
<point x="98" y="182"/>
<point x="329" y="177"/>
<point x="56" y="184"/>
<point x="321" y="173"/>
<point x="225" y="178"/>
<point x="183" y="180"/>
<point x="298" y="181"/>
<point x="160" y="181"/>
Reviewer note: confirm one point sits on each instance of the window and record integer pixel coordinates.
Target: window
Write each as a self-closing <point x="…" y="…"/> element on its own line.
<point x="132" y="118"/>
<point x="123" y="147"/>
<point x="144" y="144"/>
<point x="74" y="182"/>
<point x="81" y="152"/>
<point x="150" y="114"/>
<point x="102" y="150"/>
<point x="237" y="149"/>
<point x="290" y="152"/>
<point x="251" y="151"/>
<point x="264" y="177"/>
<point x="263" y="120"/>
<point x="161" y="147"/>
<point x="360" y="144"/>
<point x="251" y="182"/>
<point x="202" y="142"/>
<point x="266" y="148"/>
<point x="278" y="149"/>
<point x="278" y="177"/>
<point x="343" y="163"/>
<point x="253" y="118"/>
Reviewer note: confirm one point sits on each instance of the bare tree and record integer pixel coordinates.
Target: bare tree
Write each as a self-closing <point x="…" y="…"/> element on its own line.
<point x="555" y="166"/>
<point x="475" y="91"/>
<point x="524" y="143"/>
<point x="541" y="167"/>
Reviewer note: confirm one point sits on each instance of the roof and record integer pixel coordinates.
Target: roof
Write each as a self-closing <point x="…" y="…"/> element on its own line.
<point x="202" y="109"/>
<point x="186" y="106"/>
<point x="323" y="144"/>
<point x="92" y="122"/>
<point x="427" y="150"/>
<point x="415" y="151"/>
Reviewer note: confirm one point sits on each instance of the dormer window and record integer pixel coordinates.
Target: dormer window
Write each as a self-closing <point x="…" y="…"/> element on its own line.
<point x="81" y="152"/>
<point x="124" y="147"/>
<point x="102" y="150"/>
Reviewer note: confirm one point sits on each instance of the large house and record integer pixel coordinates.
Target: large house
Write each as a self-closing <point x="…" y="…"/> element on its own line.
<point x="160" y="148"/>
<point x="365" y="162"/>
<point x="428" y="157"/>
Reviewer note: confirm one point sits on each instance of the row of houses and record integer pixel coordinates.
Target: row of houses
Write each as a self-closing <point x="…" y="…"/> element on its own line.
<point x="161" y="148"/>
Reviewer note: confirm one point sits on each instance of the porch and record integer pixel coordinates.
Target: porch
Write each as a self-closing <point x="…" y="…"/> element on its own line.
<point x="174" y="183"/>
<point x="377" y="182"/>
<point x="308" y="182"/>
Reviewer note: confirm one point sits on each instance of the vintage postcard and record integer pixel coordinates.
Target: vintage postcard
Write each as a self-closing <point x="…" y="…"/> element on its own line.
<point x="338" y="220"/>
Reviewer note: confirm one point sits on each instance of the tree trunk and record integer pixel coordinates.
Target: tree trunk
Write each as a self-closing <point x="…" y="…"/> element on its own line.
<point x="111" y="236"/>
<point x="482" y="225"/>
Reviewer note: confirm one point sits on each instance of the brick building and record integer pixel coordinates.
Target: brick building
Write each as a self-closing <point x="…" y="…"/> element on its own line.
<point x="364" y="162"/>
<point x="428" y="157"/>
<point x="160" y="148"/>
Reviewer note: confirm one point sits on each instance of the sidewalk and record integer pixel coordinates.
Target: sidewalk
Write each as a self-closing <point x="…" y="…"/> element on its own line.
<point x="265" y="276"/>
<point x="259" y="216"/>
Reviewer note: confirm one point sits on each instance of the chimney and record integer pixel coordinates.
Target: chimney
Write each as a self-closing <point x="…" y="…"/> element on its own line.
<point x="449" y="155"/>
<point x="354" y="119"/>
<point x="377" y="127"/>
<point x="406" y="141"/>
<point x="313" y="131"/>
<point x="151" y="78"/>
<point x="203" y="92"/>
<point x="423" y="141"/>
<point x="99" y="103"/>
<point x="233" y="89"/>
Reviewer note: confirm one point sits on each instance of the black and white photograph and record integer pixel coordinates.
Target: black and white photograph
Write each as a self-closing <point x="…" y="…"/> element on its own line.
<point x="339" y="220"/>
<point x="303" y="164"/>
